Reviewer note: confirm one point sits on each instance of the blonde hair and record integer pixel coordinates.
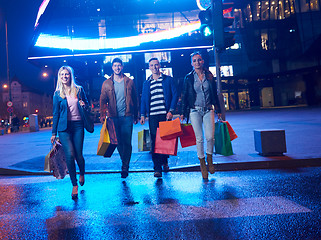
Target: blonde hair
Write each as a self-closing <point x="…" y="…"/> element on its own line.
<point x="73" y="86"/>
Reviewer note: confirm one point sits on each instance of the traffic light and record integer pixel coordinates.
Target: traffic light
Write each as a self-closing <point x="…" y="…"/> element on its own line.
<point x="223" y="38"/>
<point x="206" y="19"/>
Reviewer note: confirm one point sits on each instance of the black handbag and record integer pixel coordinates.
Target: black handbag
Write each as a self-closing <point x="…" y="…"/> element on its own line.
<point x="87" y="118"/>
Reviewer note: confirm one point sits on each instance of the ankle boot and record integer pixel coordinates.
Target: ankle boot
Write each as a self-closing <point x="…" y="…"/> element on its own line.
<point x="203" y="168"/>
<point x="210" y="163"/>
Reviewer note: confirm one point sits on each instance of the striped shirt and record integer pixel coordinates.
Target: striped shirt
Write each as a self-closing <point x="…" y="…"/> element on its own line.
<point x="157" y="100"/>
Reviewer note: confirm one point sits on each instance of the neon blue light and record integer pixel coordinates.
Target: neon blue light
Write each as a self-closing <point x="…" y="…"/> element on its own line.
<point x="62" y="42"/>
<point x="120" y="52"/>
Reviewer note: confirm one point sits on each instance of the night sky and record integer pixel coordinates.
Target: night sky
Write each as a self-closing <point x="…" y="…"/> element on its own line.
<point x="21" y="16"/>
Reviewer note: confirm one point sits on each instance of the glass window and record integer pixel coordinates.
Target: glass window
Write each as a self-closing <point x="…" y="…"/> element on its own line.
<point x="304" y="5"/>
<point x="248" y="13"/>
<point x="274" y="10"/>
<point x="314" y="5"/>
<point x="265" y="10"/>
<point x="281" y="10"/>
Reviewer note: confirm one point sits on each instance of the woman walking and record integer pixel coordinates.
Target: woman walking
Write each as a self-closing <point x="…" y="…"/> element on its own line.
<point x="199" y="101"/>
<point x="67" y="121"/>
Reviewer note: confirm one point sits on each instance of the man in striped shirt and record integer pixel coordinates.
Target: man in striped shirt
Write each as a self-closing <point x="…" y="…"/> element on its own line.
<point x="158" y="102"/>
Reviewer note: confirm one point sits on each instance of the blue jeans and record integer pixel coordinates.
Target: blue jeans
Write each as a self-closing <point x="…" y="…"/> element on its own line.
<point x="72" y="141"/>
<point x="124" y="130"/>
<point x="158" y="159"/>
<point x="198" y="119"/>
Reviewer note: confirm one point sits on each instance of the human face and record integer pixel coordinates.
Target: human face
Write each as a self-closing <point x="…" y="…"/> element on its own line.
<point x="65" y="77"/>
<point x="197" y="62"/>
<point x="117" y="68"/>
<point x="154" y="67"/>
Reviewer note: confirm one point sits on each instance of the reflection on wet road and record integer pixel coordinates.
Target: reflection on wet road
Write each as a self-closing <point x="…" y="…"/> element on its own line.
<point x="258" y="204"/>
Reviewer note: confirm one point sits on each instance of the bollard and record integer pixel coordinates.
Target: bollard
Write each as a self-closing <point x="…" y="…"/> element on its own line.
<point x="270" y="142"/>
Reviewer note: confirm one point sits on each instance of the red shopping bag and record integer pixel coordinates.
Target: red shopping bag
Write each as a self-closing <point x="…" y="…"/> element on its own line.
<point x="168" y="147"/>
<point x="188" y="138"/>
<point x="230" y="130"/>
<point x="170" y="129"/>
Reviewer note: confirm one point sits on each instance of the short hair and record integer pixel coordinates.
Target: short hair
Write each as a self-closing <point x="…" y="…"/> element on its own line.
<point x="117" y="60"/>
<point x="152" y="59"/>
<point x="196" y="53"/>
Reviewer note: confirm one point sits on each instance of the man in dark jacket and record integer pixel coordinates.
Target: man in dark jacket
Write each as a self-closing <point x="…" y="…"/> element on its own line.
<point x="158" y="102"/>
<point x="118" y="100"/>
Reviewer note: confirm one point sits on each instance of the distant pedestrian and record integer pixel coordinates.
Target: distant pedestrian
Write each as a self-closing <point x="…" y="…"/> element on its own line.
<point x="199" y="101"/>
<point x="158" y="102"/>
<point x="118" y="100"/>
<point x="68" y="123"/>
<point x="15" y="122"/>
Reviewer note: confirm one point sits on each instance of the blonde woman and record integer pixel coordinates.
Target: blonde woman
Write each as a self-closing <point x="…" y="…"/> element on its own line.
<point x="67" y="122"/>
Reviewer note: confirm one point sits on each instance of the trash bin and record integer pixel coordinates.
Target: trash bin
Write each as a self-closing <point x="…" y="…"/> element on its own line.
<point x="33" y="122"/>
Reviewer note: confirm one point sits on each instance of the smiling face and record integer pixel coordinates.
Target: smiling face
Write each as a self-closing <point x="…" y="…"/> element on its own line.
<point x="197" y="62"/>
<point x="65" y="77"/>
<point x="154" y="67"/>
<point x="117" y="68"/>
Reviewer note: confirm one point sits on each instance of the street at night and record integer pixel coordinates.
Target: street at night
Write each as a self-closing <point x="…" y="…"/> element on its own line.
<point x="88" y="92"/>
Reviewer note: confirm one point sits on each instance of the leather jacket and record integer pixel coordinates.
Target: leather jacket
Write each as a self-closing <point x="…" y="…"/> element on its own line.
<point x="189" y="93"/>
<point x="108" y="98"/>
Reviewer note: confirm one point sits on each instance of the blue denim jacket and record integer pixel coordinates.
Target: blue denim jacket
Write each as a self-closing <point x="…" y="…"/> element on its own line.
<point x="60" y="108"/>
<point x="170" y="95"/>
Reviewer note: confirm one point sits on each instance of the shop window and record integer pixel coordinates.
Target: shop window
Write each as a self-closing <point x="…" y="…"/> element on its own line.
<point x="244" y="99"/>
<point x="314" y="5"/>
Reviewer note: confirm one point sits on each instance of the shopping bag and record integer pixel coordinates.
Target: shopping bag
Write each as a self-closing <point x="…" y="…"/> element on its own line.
<point x="223" y="144"/>
<point x="87" y="118"/>
<point x="47" y="163"/>
<point x="230" y="131"/>
<point x="188" y="138"/>
<point x="57" y="161"/>
<point x="144" y="141"/>
<point x="170" y="129"/>
<point x="168" y="147"/>
<point x="108" y="140"/>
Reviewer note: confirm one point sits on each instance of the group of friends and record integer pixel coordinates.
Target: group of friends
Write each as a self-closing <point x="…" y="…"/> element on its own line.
<point x="119" y="101"/>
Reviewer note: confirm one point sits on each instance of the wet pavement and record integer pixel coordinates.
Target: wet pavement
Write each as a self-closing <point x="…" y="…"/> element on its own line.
<point x="251" y="204"/>
<point x="23" y="153"/>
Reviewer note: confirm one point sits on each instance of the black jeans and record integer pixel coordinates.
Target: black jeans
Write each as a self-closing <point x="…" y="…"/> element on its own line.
<point x="158" y="159"/>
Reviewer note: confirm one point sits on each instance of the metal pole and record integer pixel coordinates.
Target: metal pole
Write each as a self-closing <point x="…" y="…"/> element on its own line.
<point x="218" y="68"/>
<point x="8" y="71"/>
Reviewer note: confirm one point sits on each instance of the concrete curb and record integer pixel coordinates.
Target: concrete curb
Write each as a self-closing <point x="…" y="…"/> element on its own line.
<point x="235" y="166"/>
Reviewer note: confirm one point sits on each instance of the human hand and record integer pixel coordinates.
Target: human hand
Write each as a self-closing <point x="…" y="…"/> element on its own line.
<point x="219" y="115"/>
<point x="169" y="116"/>
<point x="102" y="119"/>
<point x="53" y="139"/>
<point x="181" y="117"/>
<point x="82" y="103"/>
<point x="142" y="120"/>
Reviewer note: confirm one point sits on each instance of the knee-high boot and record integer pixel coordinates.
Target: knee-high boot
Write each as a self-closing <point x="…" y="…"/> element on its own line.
<point x="210" y="163"/>
<point x="203" y="168"/>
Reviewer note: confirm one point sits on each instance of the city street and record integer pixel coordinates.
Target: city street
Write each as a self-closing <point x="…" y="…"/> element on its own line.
<point x="24" y="152"/>
<point x="252" y="204"/>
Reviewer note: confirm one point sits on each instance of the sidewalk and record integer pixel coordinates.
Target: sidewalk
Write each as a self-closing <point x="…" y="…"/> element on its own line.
<point x="24" y="153"/>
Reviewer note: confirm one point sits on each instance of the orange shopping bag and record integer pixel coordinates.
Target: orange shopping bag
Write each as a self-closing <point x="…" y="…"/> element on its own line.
<point x="170" y="129"/>
<point x="168" y="147"/>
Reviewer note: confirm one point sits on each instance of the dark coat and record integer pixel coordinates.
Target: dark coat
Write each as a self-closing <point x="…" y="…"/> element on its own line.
<point x="189" y="93"/>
